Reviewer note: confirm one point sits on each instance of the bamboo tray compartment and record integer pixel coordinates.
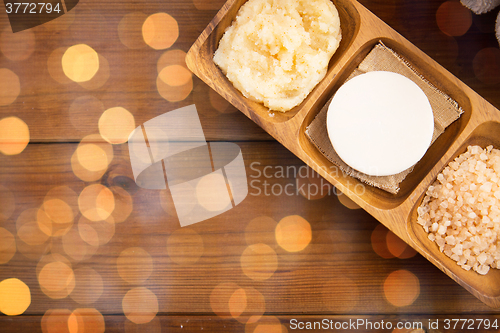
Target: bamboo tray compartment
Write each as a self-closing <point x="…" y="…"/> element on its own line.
<point x="361" y="31"/>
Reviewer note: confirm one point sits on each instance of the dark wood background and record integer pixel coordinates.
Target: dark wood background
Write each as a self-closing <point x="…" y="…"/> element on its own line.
<point x="343" y="274"/>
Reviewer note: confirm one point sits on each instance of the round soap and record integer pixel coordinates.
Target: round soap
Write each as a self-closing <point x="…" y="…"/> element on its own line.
<point x="380" y="123"/>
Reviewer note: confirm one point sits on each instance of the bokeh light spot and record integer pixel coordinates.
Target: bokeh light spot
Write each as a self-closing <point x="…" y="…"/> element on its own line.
<point x="86" y="320"/>
<point x="379" y="242"/>
<point x="124" y="204"/>
<point x="84" y="173"/>
<point x="100" y="78"/>
<point x="17" y="46"/>
<point x="219" y="103"/>
<point x="54" y="66"/>
<point x="28" y="229"/>
<point x="92" y="157"/>
<point x="237" y="302"/>
<point x="116" y="124"/>
<point x="96" y="233"/>
<point x="401" y="288"/>
<point x="212" y="192"/>
<point x="140" y="305"/>
<point x="96" y="202"/>
<point x="58" y="321"/>
<point x="453" y="19"/>
<point x="14" y="134"/>
<point x="160" y="31"/>
<point x="171" y="57"/>
<point x="219" y="299"/>
<point x="15" y="297"/>
<point x="398" y="247"/>
<point x="134" y="265"/>
<point x="7" y="245"/>
<point x="130" y="30"/>
<point x="58" y="210"/>
<point x="88" y="286"/>
<point x="185" y="246"/>
<point x="293" y="233"/>
<point x="174" y="93"/>
<point x="75" y="247"/>
<point x="55" y="276"/>
<point x="175" y="75"/>
<point x="259" y="261"/>
<point x="80" y="62"/>
<point x="486" y="65"/>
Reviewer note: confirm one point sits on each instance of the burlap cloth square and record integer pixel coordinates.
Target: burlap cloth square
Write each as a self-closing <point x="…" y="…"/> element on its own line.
<point x="382" y="58"/>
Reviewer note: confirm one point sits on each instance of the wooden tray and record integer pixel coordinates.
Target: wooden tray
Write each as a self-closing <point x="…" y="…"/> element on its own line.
<point x="361" y="31"/>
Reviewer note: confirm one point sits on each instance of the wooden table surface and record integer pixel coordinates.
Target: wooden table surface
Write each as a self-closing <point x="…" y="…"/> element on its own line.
<point x="133" y="268"/>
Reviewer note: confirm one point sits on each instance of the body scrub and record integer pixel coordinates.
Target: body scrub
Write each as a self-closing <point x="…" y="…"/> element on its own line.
<point x="277" y="51"/>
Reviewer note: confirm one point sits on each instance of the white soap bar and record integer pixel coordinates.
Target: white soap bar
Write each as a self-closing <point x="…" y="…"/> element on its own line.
<point x="380" y="123"/>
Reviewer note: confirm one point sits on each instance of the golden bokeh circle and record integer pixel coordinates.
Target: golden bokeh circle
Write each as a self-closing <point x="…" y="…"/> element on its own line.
<point x="140" y="305"/>
<point x="293" y="233"/>
<point x="398" y="248"/>
<point x="17" y="46"/>
<point x="160" y="31"/>
<point x="15" y="297"/>
<point x="96" y="202"/>
<point x="212" y="193"/>
<point x="486" y="65"/>
<point x="401" y="288"/>
<point x="75" y="247"/>
<point x="259" y="261"/>
<point x="134" y="265"/>
<point x="80" y="62"/>
<point x="219" y="299"/>
<point x="185" y="246"/>
<point x="174" y="93"/>
<point x="171" y="57"/>
<point x="453" y="19"/>
<point x="86" y="320"/>
<point x="57" y="321"/>
<point x="378" y="240"/>
<point x="14" y="134"/>
<point x="116" y="124"/>
<point x="175" y="75"/>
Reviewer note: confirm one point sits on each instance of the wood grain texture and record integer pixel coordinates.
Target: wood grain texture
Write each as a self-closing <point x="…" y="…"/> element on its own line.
<point x="339" y="263"/>
<point x="341" y="274"/>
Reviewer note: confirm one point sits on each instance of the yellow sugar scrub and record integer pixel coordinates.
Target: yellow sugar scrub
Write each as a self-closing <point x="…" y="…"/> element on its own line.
<point x="277" y="51"/>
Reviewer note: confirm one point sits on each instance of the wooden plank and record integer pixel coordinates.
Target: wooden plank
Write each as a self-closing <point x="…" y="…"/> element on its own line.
<point x="338" y="271"/>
